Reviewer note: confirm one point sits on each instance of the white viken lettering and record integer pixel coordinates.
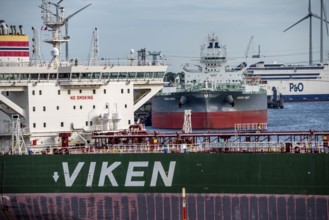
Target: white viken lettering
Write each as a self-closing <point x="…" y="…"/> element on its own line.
<point x="107" y="171"/>
<point x="158" y="169"/>
<point x="69" y="180"/>
<point x="91" y="174"/>
<point x="131" y="173"/>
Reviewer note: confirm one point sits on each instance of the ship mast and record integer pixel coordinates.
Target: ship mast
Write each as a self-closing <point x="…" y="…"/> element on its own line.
<point x="35" y="48"/>
<point x="94" y="50"/>
<point x="54" y="21"/>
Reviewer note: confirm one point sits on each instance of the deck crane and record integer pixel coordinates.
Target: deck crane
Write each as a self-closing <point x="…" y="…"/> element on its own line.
<point x="248" y="47"/>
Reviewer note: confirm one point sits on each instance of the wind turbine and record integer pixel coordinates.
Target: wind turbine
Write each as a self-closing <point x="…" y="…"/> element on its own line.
<point x="323" y="12"/>
<point x="310" y="15"/>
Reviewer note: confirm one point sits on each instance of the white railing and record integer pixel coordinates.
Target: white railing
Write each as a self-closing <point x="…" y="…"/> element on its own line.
<point x="250" y="127"/>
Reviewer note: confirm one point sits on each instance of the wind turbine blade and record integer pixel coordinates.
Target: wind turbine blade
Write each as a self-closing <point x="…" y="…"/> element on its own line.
<point x="325" y="14"/>
<point x="307" y="16"/>
<point x="318" y="17"/>
<point x="70" y="16"/>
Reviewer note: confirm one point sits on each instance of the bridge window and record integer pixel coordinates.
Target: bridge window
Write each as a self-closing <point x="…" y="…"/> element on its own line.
<point x="34" y="76"/>
<point x="44" y="124"/>
<point x="24" y="76"/>
<point x="58" y="92"/>
<point x="94" y="91"/>
<point x="158" y="74"/>
<point x="123" y="75"/>
<point x="80" y="91"/>
<point x="131" y="75"/>
<point x="114" y="75"/>
<point x="44" y="108"/>
<point x="94" y="106"/>
<point x="128" y="90"/>
<point x="73" y="106"/>
<point x="40" y="92"/>
<point x="147" y="75"/>
<point x="57" y="107"/>
<point x="140" y="75"/>
<point x="34" y="125"/>
<point x="33" y="108"/>
<point x="104" y="91"/>
<point x="62" y="124"/>
<point x="64" y="76"/>
<point x="121" y="91"/>
<point x="33" y="92"/>
<point x="105" y="75"/>
<point x="43" y="76"/>
<point x="86" y="75"/>
<point x="75" y="75"/>
<point x="96" y="75"/>
<point x="53" y="76"/>
<point x="125" y="105"/>
<point x="69" y="92"/>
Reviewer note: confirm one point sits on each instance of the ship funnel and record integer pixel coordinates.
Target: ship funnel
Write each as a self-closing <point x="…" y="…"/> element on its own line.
<point x="21" y="29"/>
<point x="2" y="24"/>
<point x="14" y="30"/>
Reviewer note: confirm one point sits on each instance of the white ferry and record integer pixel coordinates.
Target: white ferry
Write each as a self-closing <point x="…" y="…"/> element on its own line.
<point x="295" y="82"/>
<point x="42" y="102"/>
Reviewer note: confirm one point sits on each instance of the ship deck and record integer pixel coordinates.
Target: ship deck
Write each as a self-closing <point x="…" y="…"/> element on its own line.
<point x="242" y="141"/>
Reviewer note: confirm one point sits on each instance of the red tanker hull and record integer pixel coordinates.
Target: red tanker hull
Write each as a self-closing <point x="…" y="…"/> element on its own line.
<point x="208" y="120"/>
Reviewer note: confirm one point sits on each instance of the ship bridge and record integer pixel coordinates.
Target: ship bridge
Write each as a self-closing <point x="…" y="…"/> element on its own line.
<point x="147" y="80"/>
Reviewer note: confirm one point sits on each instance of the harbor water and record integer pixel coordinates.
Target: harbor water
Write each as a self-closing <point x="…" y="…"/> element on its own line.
<point x="299" y="116"/>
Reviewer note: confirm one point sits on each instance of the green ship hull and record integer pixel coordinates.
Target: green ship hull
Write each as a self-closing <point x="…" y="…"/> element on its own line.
<point x="149" y="186"/>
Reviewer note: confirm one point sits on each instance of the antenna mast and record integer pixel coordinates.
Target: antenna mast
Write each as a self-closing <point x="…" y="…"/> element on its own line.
<point x="54" y="21"/>
<point x="94" y="51"/>
<point x="35" y="48"/>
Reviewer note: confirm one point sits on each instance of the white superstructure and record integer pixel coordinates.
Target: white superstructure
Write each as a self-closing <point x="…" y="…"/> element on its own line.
<point x="213" y="65"/>
<point x="294" y="82"/>
<point x="58" y="97"/>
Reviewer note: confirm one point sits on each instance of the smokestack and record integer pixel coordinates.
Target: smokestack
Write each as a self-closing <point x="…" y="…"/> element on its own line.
<point x="14" y="29"/>
<point x="3" y="27"/>
<point x="21" y="29"/>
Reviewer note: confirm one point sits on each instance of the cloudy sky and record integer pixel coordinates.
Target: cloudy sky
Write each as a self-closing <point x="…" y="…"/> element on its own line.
<point x="179" y="27"/>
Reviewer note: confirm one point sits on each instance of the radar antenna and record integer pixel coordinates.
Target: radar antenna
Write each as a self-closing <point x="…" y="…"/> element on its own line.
<point x="155" y="55"/>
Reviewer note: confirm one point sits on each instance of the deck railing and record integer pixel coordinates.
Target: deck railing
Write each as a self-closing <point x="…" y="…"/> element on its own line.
<point x="220" y="147"/>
